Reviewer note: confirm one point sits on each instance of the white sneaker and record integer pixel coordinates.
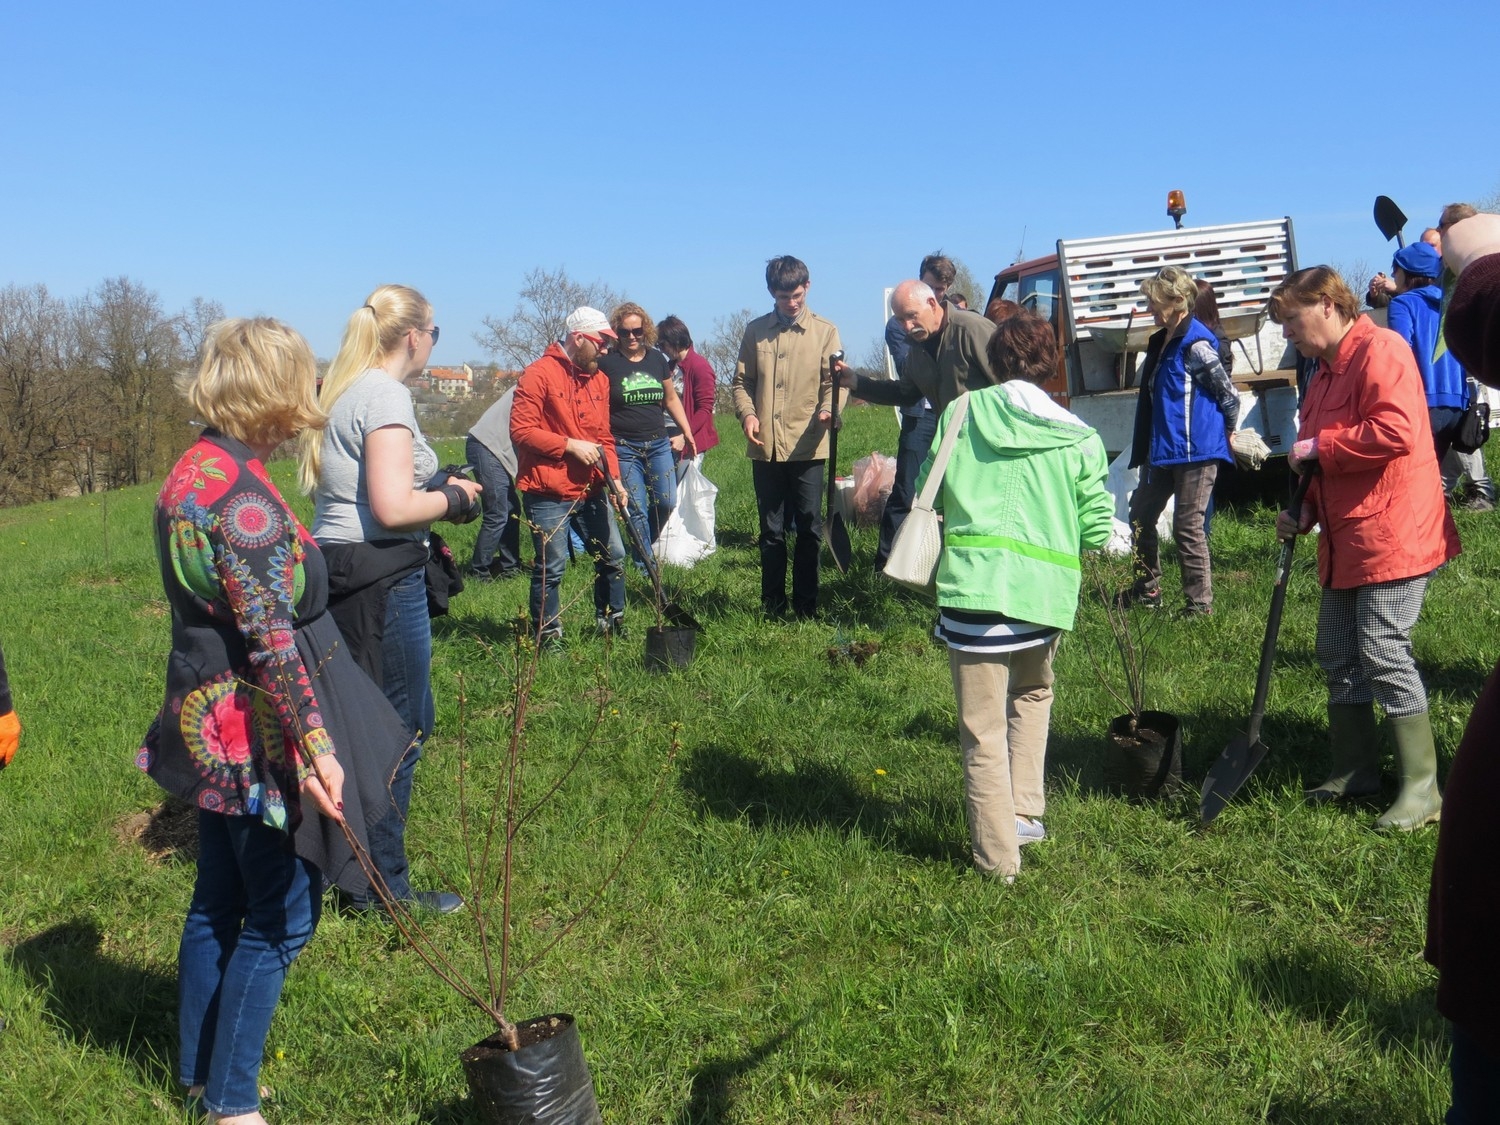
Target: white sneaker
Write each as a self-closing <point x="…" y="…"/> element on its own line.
<point x="1029" y="831"/>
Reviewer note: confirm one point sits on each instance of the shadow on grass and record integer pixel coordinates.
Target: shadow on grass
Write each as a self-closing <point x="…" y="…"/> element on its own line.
<point x="100" y="1002"/>
<point x="713" y="1082"/>
<point x="1323" y="986"/>
<point x="1297" y="757"/>
<point x="457" y="1111"/>
<point x="1462" y="681"/>
<point x="732" y="785"/>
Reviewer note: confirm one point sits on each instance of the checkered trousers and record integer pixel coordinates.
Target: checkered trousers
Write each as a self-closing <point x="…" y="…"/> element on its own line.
<point x="1364" y="645"/>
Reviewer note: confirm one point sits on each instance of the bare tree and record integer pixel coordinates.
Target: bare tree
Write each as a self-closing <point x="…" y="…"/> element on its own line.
<point x="193" y="324"/>
<point x="1356" y="275"/>
<point x="135" y="350"/>
<point x="872" y="361"/>
<point x="41" y="399"/>
<point x="722" y="350"/>
<point x="966" y="283"/>
<point x="541" y="315"/>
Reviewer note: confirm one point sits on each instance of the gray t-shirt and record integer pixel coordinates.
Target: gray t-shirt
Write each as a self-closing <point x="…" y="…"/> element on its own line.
<point x="493" y="431"/>
<point x="342" y="499"/>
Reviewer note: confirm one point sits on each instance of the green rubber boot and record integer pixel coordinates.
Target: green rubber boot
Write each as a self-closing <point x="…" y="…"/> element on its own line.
<point x="1419" y="801"/>
<point x="1356" y="754"/>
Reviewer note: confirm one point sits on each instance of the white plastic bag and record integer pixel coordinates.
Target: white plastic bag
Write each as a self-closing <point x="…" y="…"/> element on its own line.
<point x="688" y="534"/>
<point x="874" y="477"/>
<point x="1121" y="483"/>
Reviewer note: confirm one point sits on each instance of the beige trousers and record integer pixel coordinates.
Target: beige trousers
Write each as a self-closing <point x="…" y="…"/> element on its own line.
<point x="1004" y="705"/>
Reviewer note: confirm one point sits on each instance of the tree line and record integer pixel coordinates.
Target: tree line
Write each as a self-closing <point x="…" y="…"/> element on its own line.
<point x="86" y="395"/>
<point x="87" y="401"/>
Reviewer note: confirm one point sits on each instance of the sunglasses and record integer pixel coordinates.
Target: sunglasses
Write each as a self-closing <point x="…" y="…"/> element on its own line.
<point x="634" y="333"/>
<point x="434" y="331"/>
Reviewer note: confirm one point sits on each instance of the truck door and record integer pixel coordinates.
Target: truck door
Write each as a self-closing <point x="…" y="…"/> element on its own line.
<point x="1039" y="293"/>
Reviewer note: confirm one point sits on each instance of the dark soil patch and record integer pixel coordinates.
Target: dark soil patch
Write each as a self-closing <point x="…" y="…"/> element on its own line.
<point x="167" y="833"/>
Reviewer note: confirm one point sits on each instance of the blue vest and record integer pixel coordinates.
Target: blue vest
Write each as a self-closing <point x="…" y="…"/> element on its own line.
<point x="1186" y="423"/>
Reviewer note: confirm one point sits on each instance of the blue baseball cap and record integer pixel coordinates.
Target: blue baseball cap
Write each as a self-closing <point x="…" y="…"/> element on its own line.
<point x="1419" y="260"/>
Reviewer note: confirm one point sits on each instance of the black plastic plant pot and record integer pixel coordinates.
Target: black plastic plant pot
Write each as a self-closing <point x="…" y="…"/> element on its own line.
<point x="546" y="1082"/>
<point x="668" y="648"/>
<point x="1144" y="763"/>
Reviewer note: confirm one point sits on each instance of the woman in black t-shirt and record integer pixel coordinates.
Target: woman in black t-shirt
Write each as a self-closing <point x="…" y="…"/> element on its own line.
<point x="640" y="388"/>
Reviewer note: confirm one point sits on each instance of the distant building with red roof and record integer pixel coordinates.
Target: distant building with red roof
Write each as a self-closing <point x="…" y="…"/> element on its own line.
<point x="451" y="382"/>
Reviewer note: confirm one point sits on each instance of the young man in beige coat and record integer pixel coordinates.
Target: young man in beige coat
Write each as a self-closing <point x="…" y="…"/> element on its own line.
<point x="783" y="396"/>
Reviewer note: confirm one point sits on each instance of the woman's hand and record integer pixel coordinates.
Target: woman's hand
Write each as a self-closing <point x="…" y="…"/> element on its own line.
<point x="677" y="443"/>
<point x="1289" y="526"/>
<point x="1303" y="453"/>
<point x="327" y="792"/>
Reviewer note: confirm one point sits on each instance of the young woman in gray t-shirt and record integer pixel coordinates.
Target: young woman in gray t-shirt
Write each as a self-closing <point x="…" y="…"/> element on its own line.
<point x="371" y="475"/>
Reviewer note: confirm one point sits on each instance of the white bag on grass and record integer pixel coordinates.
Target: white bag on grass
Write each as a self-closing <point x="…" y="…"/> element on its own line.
<point x="688" y="534"/>
<point x="1122" y="481"/>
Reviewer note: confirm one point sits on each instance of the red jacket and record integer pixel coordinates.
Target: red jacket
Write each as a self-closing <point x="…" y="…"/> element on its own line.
<point x="698" y="400"/>
<point x="1378" y="494"/>
<point x="556" y="401"/>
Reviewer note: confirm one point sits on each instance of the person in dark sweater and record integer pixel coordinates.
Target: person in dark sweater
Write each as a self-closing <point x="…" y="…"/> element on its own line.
<point x="1463" y="913"/>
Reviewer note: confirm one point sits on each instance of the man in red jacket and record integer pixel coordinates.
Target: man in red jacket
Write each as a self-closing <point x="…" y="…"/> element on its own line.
<point x="565" y="459"/>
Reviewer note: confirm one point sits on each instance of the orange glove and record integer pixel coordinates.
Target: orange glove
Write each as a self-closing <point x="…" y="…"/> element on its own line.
<point x="10" y="737"/>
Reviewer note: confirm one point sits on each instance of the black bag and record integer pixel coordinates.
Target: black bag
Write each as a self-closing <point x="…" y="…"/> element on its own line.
<point x="1474" y="430"/>
<point x="443" y="577"/>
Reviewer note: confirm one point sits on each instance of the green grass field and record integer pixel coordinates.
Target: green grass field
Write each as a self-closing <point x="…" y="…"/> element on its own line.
<point x="798" y="937"/>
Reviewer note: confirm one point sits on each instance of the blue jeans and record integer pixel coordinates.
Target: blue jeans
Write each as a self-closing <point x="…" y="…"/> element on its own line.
<point x="500" y="527"/>
<point x="550" y="520"/>
<point x="406" y="678"/>
<point x="255" y="905"/>
<point x="649" y="475"/>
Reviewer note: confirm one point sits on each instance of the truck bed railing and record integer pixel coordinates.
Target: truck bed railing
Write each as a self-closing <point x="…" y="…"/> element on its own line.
<point x="1101" y="277"/>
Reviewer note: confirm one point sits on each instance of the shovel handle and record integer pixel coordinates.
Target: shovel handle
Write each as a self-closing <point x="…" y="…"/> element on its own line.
<point x="833" y="436"/>
<point x="1273" y="619"/>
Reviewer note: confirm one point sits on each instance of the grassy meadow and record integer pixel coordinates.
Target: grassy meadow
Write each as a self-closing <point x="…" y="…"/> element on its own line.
<point x="797" y="937"/>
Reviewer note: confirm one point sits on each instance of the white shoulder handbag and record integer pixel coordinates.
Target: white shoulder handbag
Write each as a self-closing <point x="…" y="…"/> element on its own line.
<point x="918" y="544"/>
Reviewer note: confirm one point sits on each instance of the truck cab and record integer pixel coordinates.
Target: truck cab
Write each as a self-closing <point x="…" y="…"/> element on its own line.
<point x="1089" y="291"/>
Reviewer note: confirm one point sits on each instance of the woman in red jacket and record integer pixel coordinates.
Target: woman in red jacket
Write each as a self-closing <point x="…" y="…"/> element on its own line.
<point x="695" y="385"/>
<point x="1378" y="499"/>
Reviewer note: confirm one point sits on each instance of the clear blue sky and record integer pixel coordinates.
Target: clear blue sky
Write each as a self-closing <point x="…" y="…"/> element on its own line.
<point x="286" y="158"/>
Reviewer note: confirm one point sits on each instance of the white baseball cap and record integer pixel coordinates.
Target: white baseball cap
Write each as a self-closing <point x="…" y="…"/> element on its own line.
<point x="589" y="321"/>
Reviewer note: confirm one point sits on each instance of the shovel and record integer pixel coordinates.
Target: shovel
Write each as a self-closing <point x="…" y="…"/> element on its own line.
<point x="833" y="520"/>
<point x="1390" y="219"/>
<point x="672" y="614"/>
<point x="1245" y="751"/>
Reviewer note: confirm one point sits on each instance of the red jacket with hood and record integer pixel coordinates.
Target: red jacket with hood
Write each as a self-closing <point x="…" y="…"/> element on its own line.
<point x="555" y="401"/>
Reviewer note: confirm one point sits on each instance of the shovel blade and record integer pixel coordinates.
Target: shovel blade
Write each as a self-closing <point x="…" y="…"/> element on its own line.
<point x="1232" y="770"/>
<point x="838" y="543"/>
<point x="1388" y="217"/>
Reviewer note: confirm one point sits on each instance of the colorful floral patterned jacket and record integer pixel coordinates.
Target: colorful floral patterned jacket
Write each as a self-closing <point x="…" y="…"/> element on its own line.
<point x="240" y="717"/>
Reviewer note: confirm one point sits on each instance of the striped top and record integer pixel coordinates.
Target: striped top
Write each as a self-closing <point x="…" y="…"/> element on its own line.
<point x="968" y="631"/>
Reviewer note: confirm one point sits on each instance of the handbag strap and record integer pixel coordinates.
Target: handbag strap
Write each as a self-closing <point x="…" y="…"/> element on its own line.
<point x="940" y="462"/>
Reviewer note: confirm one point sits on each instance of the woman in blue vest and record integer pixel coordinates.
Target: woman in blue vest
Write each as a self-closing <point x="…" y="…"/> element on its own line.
<point x="1184" y="414"/>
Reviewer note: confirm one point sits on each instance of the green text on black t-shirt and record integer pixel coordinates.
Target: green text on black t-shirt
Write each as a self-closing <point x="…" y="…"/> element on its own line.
<point x="637" y="391"/>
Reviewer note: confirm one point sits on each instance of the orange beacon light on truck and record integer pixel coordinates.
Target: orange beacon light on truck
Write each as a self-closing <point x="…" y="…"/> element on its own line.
<point x="1176" y="207"/>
